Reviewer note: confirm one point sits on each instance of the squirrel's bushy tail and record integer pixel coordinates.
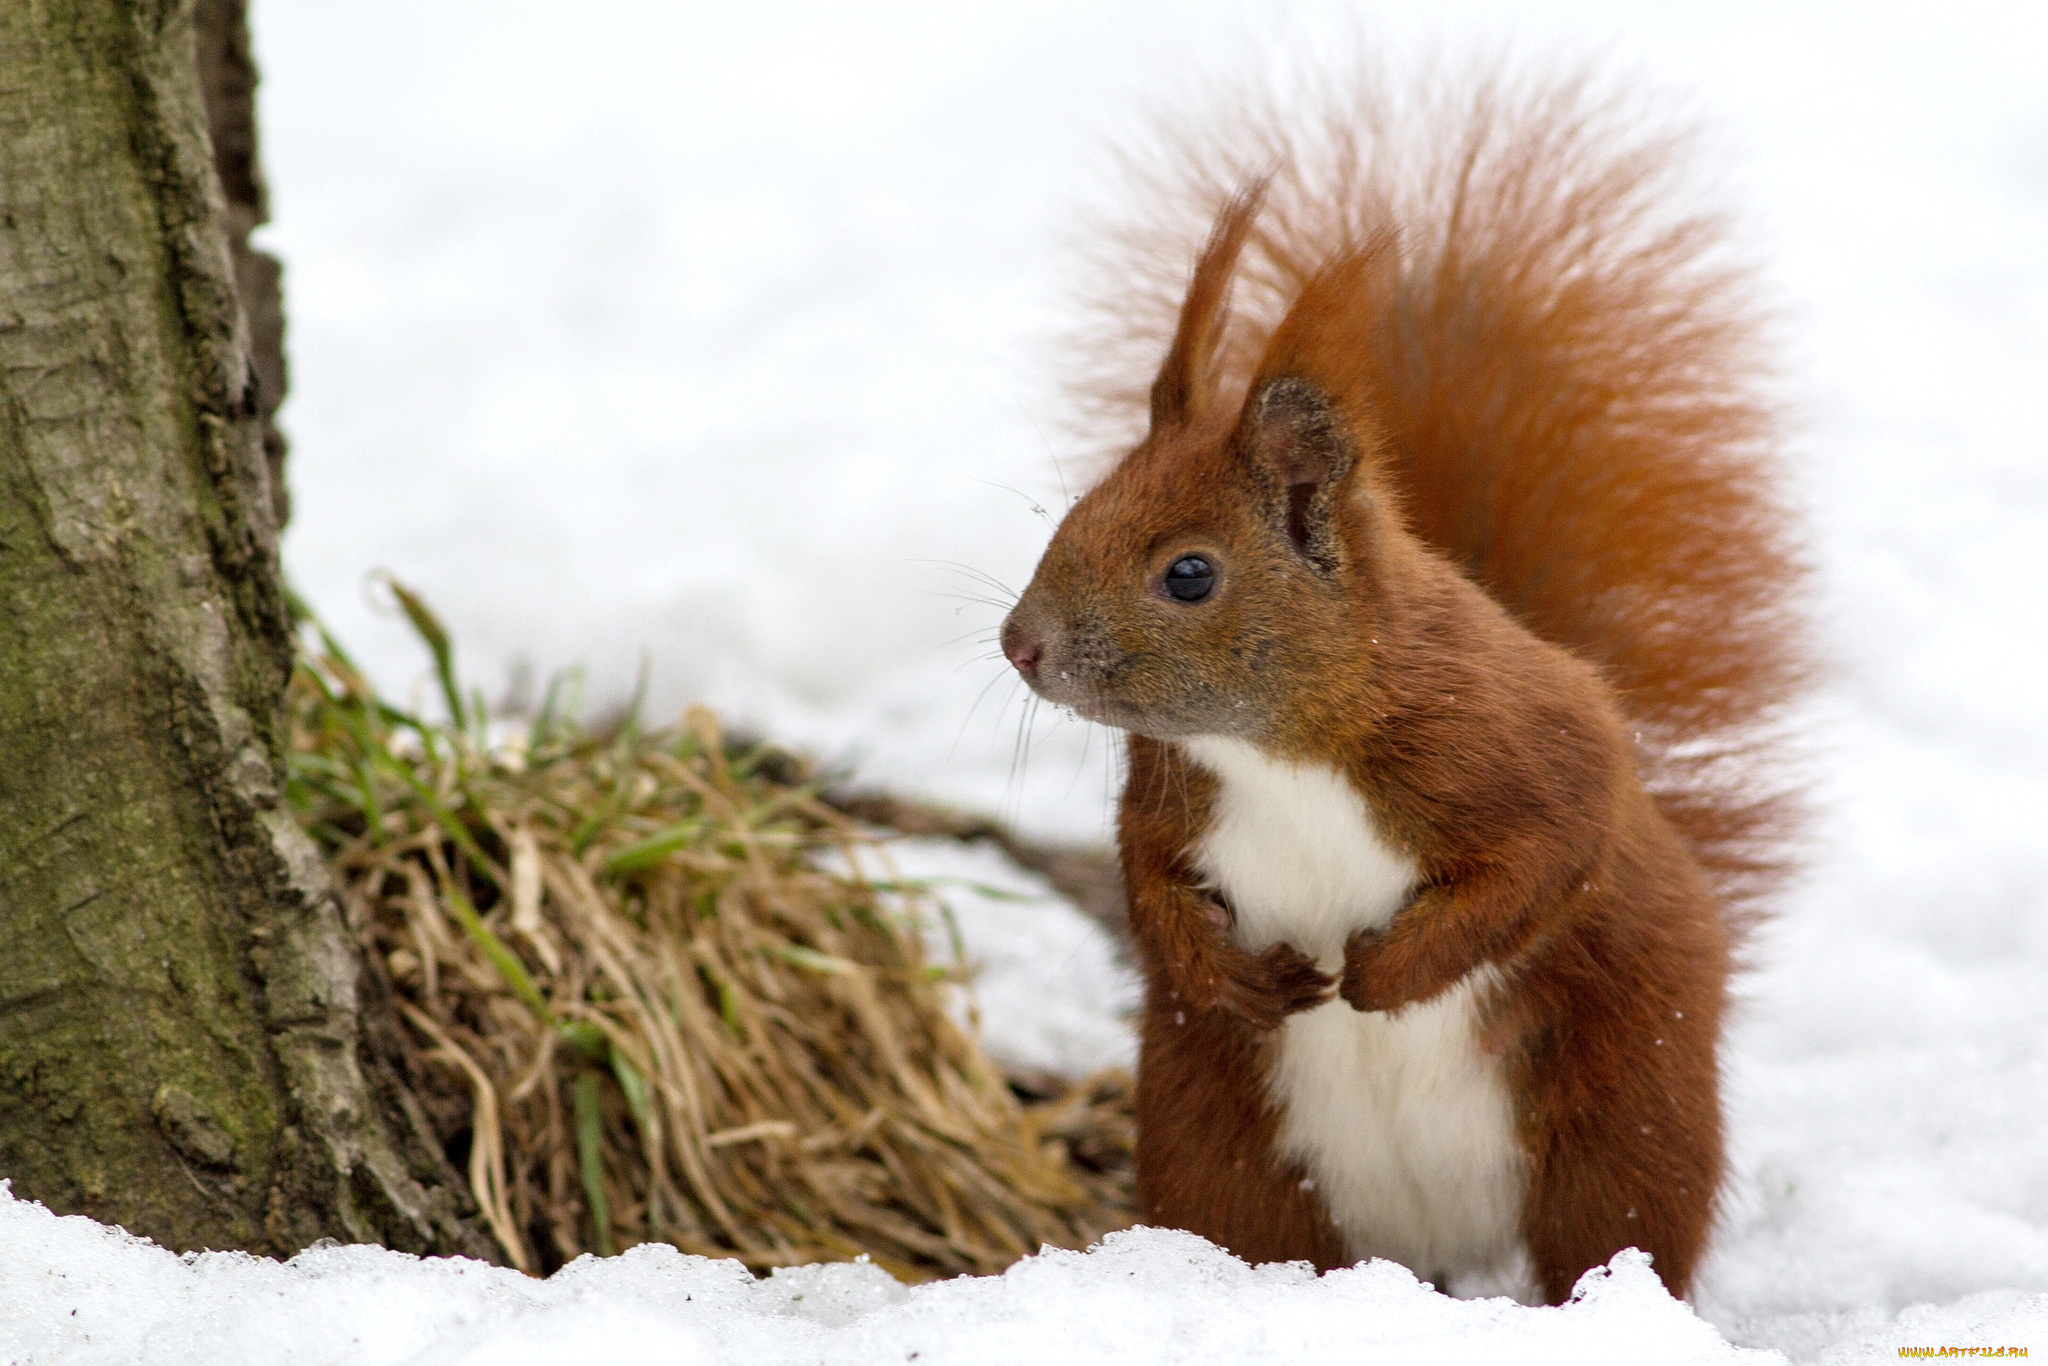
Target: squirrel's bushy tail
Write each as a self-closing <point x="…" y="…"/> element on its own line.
<point x="1573" y="371"/>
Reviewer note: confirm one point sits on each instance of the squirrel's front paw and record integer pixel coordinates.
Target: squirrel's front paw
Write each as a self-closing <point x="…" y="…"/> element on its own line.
<point x="1263" y="989"/>
<point x="1396" y="967"/>
<point x="1368" y="981"/>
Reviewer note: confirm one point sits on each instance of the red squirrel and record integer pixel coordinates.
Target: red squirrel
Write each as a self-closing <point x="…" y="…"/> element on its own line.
<point x="1447" y="602"/>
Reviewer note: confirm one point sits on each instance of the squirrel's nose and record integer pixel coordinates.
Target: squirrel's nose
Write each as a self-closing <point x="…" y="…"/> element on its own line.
<point x="1022" y="649"/>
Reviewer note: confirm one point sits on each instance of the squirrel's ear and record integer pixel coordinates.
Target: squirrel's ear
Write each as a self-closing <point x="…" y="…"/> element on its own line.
<point x="1294" y="434"/>
<point x="1185" y="380"/>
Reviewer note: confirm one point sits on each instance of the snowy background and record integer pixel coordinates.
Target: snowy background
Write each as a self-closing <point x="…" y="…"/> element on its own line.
<point x="689" y="336"/>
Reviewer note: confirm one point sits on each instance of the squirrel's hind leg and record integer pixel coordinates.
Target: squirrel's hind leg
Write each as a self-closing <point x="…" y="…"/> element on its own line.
<point x="1206" y="1158"/>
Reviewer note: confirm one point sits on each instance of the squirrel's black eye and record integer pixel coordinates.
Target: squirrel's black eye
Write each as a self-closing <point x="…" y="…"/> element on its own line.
<point x="1190" y="578"/>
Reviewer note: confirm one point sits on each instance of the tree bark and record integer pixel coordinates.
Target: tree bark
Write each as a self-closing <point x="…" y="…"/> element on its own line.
<point x="179" y="1022"/>
<point x="227" y="86"/>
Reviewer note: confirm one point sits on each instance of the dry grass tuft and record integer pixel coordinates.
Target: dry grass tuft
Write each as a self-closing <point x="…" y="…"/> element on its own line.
<point x="640" y="1007"/>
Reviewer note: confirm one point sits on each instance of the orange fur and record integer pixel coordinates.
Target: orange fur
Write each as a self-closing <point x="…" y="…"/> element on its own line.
<point x="1460" y="405"/>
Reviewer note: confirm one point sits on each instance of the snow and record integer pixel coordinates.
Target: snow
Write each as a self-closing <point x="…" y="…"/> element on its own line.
<point x="1148" y="1295"/>
<point x="689" y="335"/>
<point x="82" y="1294"/>
<point x="1046" y="989"/>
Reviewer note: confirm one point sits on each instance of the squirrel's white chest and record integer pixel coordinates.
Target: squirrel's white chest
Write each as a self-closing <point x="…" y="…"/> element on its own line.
<point x="1295" y="851"/>
<point x="1402" y="1120"/>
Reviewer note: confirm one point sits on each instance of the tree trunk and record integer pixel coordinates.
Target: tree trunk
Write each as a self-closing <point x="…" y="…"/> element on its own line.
<point x="179" y="1026"/>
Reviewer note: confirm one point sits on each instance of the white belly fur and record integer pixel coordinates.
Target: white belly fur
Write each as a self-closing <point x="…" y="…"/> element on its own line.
<point x="1402" y="1121"/>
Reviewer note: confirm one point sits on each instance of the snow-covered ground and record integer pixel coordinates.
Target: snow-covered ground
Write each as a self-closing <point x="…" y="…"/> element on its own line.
<point x="694" y="335"/>
<point x="1149" y="1295"/>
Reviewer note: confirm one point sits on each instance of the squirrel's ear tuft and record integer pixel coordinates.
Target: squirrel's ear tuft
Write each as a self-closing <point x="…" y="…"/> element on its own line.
<point x="1186" y="379"/>
<point x="1294" y="433"/>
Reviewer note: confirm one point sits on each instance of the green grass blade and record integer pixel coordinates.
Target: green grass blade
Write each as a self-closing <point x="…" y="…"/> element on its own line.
<point x="586" y="1038"/>
<point x="502" y="958"/>
<point x="817" y="962"/>
<point x="457" y="832"/>
<point x="590" y="1158"/>
<point x="652" y="850"/>
<point x="638" y="1095"/>
<point x="435" y="635"/>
